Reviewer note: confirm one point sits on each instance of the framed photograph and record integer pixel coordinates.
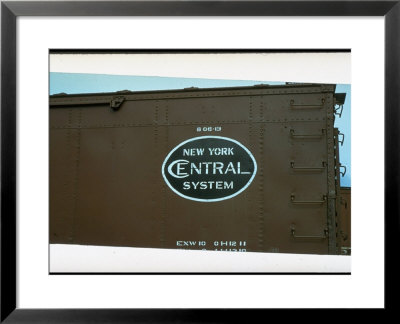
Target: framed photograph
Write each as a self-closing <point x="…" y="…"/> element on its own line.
<point x="219" y="160"/>
<point x="41" y="282"/>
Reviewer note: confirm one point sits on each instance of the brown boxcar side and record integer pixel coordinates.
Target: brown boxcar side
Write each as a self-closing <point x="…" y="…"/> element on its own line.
<point x="107" y="186"/>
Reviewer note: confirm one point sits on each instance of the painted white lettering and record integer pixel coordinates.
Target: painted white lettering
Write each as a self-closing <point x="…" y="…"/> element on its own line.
<point x="230" y="168"/>
<point x="221" y="151"/>
<point x="179" y="168"/>
<point x="193" y="151"/>
<point x="207" y="164"/>
<point x="238" y="168"/>
<point x="195" y="168"/>
<point x="203" y="185"/>
<point x="228" y="185"/>
<point x="219" y="167"/>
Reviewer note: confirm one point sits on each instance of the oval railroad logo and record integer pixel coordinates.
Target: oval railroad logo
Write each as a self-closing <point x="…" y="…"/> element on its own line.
<point x="209" y="168"/>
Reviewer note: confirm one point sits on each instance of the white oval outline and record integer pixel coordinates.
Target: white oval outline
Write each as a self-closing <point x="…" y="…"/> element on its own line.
<point x="217" y="199"/>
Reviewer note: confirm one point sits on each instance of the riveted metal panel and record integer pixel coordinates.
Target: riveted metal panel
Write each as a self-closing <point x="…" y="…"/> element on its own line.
<point x="107" y="186"/>
<point x="344" y="232"/>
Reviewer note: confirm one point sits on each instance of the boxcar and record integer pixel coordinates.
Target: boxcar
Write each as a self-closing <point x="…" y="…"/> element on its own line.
<point x="233" y="169"/>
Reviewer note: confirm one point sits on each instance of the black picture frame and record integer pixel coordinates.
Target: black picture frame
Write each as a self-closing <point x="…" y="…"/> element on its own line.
<point x="10" y="10"/>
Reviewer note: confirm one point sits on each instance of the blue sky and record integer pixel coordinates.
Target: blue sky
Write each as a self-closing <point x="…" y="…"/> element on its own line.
<point x="72" y="83"/>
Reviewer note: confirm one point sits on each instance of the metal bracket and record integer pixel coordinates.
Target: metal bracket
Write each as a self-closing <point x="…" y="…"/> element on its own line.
<point x="345" y="169"/>
<point x="293" y="233"/>
<point x="307" y="136"/>
<point x="308" y="169"/>
<point x="116" y="102"/>
<point x="341" y="141"/>
<point x="307" y="202"/>
<point x="338" y="110"/>
<point x="294" y="106"/>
